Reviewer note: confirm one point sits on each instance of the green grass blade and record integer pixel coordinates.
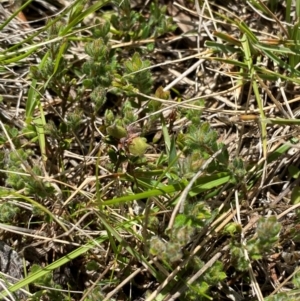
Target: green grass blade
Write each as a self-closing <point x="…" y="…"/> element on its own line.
<point x="84" y="14"/>
<point x="39" y="206"/>
<point x="248" y="60"/>
<point x="16" y="12"/>
<point x="15" y="57"/>
<point x="202" y="184"/>
<point x="38" y="274"/>
<point x="40" y="124"/>
<point x="281" y="121"/>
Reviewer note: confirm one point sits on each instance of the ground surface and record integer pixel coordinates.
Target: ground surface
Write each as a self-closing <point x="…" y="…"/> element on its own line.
<point x="99" y="141"/>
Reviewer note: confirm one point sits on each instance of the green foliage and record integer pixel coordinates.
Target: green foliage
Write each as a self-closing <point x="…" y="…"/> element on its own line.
<point x="155" y="105"/>
<point x="98" y="96"/>
<point x="128" y="113"/>
<point x="13" y="133"/>
<point x="131" y="25"/>
<point x="16" y="162"/>
<point x="138" y="146"/>
<point x="195" y="215"/>
<point x="101" y="66"/>
<point x="182" y="235"/>
<point x="267" y="236"/>
<point x="200" y="290"/>
<point x="116" y="131"/>
<point x="13" y="163"/>
<point x="295" y="196"/>
<point x="8" y="212"/>
<point x="214" y="274"/>
<point x="102" y="89"/>
<point x="198" y="144"/>
<point x="55" y="28"/>
<point x="194" y="115"/>
<point x="35" y="186"/>
<point x="282" y="297"/>
<point x="46" y="281"/>
<point x="203" y="139"/>
<point x="102" y="84"/>
<point x="102" y="30"/>
<point x="109" y="117"/>
<point x="261" y="244"/>
<point x="170" y="251"/>
<point x="268" y="230"/>
<point x="232" y="229"/>
<point x="296" y="280"/>
<point x="136" y="75"/>
<point x="73" y="120"/>
<point x="237" y="254"/>
<point x="238" y="169"/>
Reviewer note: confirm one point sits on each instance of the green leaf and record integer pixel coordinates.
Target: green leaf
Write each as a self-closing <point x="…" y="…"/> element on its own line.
<point x="294" y="171"/>
<point x="295" y="197"/>
<point x="116" y="131"/>
<point x="138" y="146"/>
<point x="232" y="228"/>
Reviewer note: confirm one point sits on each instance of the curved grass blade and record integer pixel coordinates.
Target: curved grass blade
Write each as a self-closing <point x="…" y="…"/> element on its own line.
<point x="202" y="184"/>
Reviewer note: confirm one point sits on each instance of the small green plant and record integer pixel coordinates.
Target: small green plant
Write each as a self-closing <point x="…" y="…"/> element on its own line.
<point x="8" y="212"/>
<point x="267" y="236"/>
<point x="46" y="281"/>
<point x="133" y="26"/>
